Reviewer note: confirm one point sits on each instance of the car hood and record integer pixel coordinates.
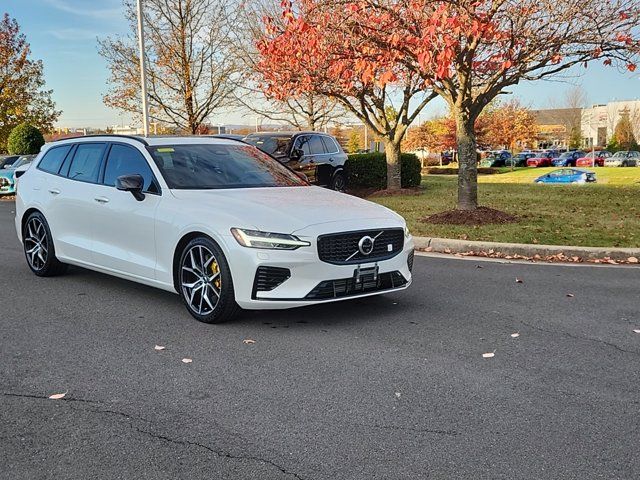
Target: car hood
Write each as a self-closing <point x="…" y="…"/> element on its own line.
<point x="294" y="209"/>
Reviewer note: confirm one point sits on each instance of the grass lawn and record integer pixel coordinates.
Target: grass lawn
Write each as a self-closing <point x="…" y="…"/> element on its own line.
<point x="602" y="214"/>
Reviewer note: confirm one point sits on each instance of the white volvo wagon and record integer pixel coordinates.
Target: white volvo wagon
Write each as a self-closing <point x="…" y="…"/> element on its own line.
<point x="217" y="221"/>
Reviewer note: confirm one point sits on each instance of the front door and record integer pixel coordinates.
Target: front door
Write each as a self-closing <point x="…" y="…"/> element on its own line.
<point x="124" y="232"/>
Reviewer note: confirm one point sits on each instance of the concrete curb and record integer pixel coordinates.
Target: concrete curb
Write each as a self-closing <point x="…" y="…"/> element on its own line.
<point x="446" y="245"/>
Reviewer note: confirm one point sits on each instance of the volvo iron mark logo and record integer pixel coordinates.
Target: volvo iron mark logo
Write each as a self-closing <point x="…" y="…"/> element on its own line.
<point x="365" y="245"/>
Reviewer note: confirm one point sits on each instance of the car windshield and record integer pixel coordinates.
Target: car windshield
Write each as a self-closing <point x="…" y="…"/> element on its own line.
<point x="620" y="155"/>
<point x="212" y="166"/>
<point x="20" y="162"/>
<point x="276" y="145"/>
<point x="566" y="155"/>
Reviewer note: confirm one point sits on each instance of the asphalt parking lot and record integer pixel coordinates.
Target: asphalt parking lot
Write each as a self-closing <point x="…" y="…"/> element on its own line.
<point x="393" y="387"/>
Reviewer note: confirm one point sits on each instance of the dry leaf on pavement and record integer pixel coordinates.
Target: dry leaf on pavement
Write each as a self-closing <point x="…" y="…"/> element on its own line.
<point x="158" y="347"/>
<point x="186" y="360"/>
<point x="518" y="280"/>
<point x="248" y="341"/>
<point x="636" y="330"/>
<point x="515" y="335"/>
<point x="488" y="355"/>
<point x="570" y="295"/>
<point x="57" y="396"/>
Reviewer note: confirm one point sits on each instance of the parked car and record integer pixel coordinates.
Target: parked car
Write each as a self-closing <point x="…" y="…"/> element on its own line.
<point x="317" y="155"/>
<point x="217" y="221"/>
<point x="623" y="159"/>
<point x="568" y="159"/>
<point x="8" y="174"/>
<point x="567" y="175"/>
<point x="593" y="159"/>
<point x="496" y="158"/>
<point x="8" y="160"/>
<point x="229" y="136"/>
<point x="543" y="159"/>
<point x="520" y="159"/>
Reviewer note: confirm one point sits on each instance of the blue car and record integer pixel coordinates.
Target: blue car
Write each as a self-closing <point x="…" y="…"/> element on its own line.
<point x="567" y="175"/>
<point x="8" y="174"/>
<point x="568" y="159"/>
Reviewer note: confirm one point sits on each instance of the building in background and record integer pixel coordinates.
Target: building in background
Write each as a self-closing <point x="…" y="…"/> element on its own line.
<point x="559" y="127"/>
<point x="599" y="121"/>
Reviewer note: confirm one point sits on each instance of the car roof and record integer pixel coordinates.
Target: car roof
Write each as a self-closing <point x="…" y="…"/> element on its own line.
<point x="151" y="140"/>
<point x="288" y="133"/>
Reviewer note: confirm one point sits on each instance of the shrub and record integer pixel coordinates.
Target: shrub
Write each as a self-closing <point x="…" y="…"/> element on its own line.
<point x="454" y="171"/>
<point x="25" y="139"/>
<point x="366" y="170"/>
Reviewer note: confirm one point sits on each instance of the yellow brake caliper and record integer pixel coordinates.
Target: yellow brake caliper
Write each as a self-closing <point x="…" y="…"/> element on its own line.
<point x="216" y="269"/>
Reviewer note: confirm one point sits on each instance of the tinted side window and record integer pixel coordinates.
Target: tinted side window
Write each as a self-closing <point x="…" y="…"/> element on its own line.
<point x="124" y="160"/>
<point x="316" y="145"/>
<point x="52" y="160"/>
<point x="330" y="145"/>
<point x="303" y="143"/>
<point x="86" y="162"/>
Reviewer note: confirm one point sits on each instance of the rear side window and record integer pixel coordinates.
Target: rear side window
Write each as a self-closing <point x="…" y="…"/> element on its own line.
<point x="330" y="145"/>
<point x="86" y="162"/>
<point x="52" y="160"/>
<point x="316" y="146"/>
<point x="124" y="160"/>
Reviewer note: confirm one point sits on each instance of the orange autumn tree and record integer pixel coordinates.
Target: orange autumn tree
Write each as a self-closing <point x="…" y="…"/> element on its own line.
<point x="305" y="52"/>
<point x="497" y="44"/>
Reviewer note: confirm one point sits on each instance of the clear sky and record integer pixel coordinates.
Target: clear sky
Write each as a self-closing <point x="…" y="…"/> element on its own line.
<point x="63" y="34"/>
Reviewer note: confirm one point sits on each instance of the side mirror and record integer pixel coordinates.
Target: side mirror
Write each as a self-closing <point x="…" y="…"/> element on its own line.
<point x="296" y="154"/>
<point x="131" y="183"/>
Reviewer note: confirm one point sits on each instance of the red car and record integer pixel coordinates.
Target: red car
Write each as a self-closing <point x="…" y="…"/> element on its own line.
<point x="587" y="160"/>
<point x="542" y="160"/>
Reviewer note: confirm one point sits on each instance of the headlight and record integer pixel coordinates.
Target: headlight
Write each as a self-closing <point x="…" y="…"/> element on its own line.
<point x="268" y="240"/>
<point x="407" y="233"/>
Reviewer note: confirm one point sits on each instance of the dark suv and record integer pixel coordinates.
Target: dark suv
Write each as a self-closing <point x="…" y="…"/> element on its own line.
<point x="317" y="155"/>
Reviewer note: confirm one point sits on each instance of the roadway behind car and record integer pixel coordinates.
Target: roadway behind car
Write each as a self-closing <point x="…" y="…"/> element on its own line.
<point x="390" y="387"/>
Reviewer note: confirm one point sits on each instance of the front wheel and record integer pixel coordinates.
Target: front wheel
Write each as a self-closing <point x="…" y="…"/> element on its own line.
<point x="339" y="182"/>
<point x="204" y="282"/>
<point x="38" y="247"/>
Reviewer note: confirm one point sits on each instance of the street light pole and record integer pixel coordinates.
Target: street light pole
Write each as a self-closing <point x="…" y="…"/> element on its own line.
<point x="143" y="71"/>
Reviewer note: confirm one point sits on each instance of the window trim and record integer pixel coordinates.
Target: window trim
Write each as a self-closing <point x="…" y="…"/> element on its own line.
<point x="325" y="139"/>
<point x="103" y="168"/>
<point x="61" y="163"/>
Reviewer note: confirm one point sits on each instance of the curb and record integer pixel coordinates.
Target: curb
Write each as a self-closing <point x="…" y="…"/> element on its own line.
<point x="446" y="245"/>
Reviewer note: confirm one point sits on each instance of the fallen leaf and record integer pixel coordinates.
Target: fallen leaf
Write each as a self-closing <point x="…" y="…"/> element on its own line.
<point x="398" y="394"/>
<point x="570" y="295"/>
<point x="478" y="266"/>
<point x="186" y="360"/>
<point x="488" y="355"/>
<point x="248" y="341"/>
<point x="633" y="260"/>
<point x="57" y="396"/>
<point x="158" y="347"/>
<point x="515" y="335"/>
<point x="519" y="281"/>
<point x="636" y="330"/>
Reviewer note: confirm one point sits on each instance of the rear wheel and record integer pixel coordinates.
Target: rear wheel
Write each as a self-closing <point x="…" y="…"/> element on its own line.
<point x="339" y="182"/>
<point x="205" y="283"/>
<point x="38" y="247"/>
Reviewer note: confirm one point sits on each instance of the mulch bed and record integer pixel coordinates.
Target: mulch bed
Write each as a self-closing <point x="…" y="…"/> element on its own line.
<point x="480" y="216"/>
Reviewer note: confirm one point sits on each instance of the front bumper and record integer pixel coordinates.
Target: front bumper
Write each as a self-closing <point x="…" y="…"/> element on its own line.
<point x="311" y="281"/>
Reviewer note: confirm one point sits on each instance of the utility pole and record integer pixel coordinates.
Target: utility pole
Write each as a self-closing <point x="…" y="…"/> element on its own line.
<point x="143" y="71"/>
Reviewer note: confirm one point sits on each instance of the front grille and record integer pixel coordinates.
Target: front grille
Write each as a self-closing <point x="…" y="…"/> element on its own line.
<point x="268" y="278"/>
<point x="346" y="287"/>
<point x="4" y="182"/>
<point x="410" y="260"/>
<point x="342" y="248"/>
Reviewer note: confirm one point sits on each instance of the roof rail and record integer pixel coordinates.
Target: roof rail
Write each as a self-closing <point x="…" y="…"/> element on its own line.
<point x="130" y="137"/>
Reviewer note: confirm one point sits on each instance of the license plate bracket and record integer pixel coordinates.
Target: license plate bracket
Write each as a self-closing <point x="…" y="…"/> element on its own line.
<point x="366" y="275"/>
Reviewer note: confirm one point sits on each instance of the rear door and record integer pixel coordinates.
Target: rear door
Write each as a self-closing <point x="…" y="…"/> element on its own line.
<point x="74" y="210"/>
<point x="124" y="231"/>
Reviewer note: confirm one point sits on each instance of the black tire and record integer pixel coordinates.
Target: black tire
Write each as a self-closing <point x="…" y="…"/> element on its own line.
<point x="38" y="247"/>
<point x="339" y="181"/>
<point x="216" y="280"/>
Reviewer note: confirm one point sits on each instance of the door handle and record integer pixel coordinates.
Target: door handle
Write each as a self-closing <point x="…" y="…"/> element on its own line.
<point x="101" y="199"/>
<point x="54" y="191"/>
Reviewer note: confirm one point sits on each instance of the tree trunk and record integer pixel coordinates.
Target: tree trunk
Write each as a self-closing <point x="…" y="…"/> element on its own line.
<point x="467" y="162"/>
<point x="392" y="151"/>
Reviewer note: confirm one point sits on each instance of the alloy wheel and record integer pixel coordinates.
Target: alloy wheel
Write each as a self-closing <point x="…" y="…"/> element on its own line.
<point x="35" y="244"/>
<point x="200" y="280"/>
